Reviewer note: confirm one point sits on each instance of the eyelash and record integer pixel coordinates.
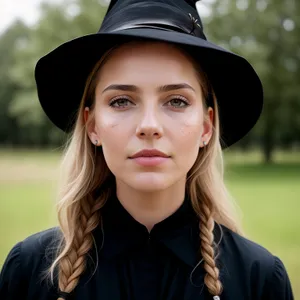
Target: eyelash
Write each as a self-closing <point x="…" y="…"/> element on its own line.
<point x="182" y="99"/>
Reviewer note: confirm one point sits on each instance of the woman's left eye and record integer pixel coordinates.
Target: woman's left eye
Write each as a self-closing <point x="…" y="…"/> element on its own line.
<point x="178" y="103"/>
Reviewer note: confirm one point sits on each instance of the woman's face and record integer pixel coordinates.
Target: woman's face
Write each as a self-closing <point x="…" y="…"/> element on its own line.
<point x="149" y="97"/>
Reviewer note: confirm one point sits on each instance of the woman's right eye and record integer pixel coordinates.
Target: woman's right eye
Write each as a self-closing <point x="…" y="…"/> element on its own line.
<point x="120" y="103"/>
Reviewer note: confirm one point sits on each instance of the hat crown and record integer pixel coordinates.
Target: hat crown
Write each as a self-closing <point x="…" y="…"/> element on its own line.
<point x="178" y="15"/>
<point x="123" y="3"/>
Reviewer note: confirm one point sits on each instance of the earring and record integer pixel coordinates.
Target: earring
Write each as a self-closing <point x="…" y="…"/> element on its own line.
<point x="204" y="143"/>
<point x="96" y="142"/>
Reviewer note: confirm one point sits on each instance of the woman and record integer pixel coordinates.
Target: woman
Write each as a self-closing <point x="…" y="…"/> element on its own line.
<point x="144" y="212"/>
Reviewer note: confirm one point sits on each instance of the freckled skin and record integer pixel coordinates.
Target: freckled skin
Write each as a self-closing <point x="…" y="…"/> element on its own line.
<point x="148" y="119"/>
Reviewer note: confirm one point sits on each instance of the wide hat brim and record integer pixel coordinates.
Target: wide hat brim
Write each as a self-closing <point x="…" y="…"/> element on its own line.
<point x="61" y="76"/>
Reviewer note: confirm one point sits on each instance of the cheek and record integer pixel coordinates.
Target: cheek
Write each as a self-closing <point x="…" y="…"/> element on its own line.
<point x="114" y="135"/>
<point x="188" y="140"/>
<point x="190" y="129"/>
<point x="109" y="127"/>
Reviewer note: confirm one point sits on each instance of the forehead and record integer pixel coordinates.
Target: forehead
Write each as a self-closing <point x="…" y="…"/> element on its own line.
<point x="148" y="62"/>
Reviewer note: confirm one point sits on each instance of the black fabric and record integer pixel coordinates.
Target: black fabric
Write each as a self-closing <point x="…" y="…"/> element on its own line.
<point x="136" y="265"/>
<point x="64" y="295"/>
<point x="61" y="82"/>
<point x="135" y="14"/>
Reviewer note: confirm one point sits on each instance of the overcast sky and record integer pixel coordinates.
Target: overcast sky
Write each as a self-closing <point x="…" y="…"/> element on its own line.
<point x="25" y="9"/>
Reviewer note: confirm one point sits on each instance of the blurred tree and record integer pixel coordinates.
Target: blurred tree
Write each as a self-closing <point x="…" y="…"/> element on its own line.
<point x="11" y="39"/>
<point x="58" y="24"/>
<point x="267" y="32"/>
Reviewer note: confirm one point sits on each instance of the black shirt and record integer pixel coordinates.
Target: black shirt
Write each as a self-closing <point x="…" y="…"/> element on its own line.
<point x="136" y="265"/>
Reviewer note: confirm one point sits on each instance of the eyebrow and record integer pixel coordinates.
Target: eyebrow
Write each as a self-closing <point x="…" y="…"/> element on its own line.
<point x="161" y="89"/>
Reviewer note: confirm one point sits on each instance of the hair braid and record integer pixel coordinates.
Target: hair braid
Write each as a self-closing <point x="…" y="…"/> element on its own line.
<point x="73" y="264"/>
<point x="211" y="278"/>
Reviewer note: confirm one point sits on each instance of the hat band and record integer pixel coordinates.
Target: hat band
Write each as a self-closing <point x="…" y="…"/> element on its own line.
<point x="161" y="25"/>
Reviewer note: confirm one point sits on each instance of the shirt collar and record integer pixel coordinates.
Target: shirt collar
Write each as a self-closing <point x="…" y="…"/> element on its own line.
<point x="178" y="232"/>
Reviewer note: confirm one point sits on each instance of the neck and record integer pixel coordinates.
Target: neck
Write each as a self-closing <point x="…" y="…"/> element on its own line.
<point x="150" y="208"/>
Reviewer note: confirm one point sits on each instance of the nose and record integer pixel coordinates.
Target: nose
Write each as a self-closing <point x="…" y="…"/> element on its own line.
<point x="149" y="125"/>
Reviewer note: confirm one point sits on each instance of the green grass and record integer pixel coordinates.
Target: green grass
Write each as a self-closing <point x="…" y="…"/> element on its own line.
<point x="24" y="209"/>
<point x="268" y="195"/>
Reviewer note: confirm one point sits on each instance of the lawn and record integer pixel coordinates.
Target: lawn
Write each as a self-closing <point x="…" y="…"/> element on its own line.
<point x="268" y="195"/>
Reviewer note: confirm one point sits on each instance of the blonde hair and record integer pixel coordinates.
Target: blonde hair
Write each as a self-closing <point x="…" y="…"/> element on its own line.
<point x="87" y="184"/>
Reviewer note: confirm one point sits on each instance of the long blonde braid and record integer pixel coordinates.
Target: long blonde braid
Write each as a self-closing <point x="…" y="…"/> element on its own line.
<point x="73" y="264"/>
<point x="211" y="278"/>
<point x="210" y="199"/>
<point x="205" y="211"/>
<point x="84" y="190"/>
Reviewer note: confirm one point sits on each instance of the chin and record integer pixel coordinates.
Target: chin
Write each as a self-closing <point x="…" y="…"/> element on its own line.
<point x="149" y="182"/>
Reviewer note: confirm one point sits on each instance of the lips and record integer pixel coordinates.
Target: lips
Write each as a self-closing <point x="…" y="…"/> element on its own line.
<point x="150" y="153"/>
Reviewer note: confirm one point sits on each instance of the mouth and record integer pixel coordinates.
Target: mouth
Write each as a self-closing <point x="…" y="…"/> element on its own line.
<point x="150" y="161"/>
<point x="150" y="157"/>
<point x="150" y="153"/>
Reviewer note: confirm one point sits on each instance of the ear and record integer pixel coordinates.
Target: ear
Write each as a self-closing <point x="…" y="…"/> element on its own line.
<point x="90" y="127"/>
<point x="207" y="127"/>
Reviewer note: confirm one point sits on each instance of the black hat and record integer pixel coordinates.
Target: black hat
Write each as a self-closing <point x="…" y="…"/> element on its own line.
<point x="61" y="75"/>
